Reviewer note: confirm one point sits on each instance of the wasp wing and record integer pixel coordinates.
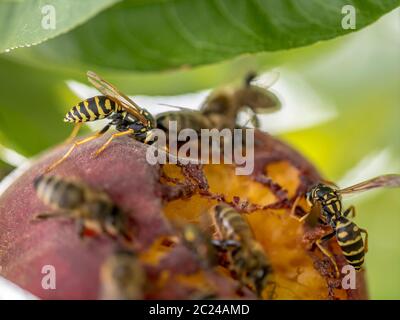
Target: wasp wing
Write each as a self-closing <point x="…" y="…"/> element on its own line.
<point x="384" y="181"/>
<point x="271" y="102"/>
<point x="176" y="107"/>
<point x="330" y="183"/>
<point x="264" y="81"/>
<point x="113" y="93"/>
<point x="274" y="104"/>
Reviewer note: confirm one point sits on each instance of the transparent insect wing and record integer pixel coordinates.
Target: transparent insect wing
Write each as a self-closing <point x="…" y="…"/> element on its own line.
<point x="176" y="107"/>
<point x="266" y="80"/>
<point x="330" y="183"/>
<point x="384" y="181"/>
<point x="113" y="93"/>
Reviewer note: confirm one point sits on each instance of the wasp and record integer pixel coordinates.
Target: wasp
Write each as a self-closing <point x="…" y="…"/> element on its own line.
<point x="122" y="277"/>
<point x="221" y="108"/>
<point x="125" y="115"/>
<point x="247" y="259"/>
<point x="325" y="200"/>
<point x="90" y="208"/>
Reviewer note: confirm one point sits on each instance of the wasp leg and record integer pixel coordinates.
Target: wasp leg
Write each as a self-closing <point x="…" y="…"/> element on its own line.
<point x="254" y="119"/>
<point x="149" y="136"/>
<point x="164" y="149"/>
<point x="217" y="243"/>
<point x="74" y="133"/>
<point x="239" y="287"/>
<point x="366" y="239"/>
<point x="271" y="291"/>
<point x="326" y="251"/>
<point x="293" y="214"/>
<point x="49" y="215"/>
<point x="225" y="244"/>
<point x="76" y="144"/>
<point x="80" y="227"/>
<point x="115" y="135"/>
<point x="351" y="210"/>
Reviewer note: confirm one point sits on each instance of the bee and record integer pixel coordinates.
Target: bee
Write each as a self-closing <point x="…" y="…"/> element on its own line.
<point x="325" y="200"/>
<point x="125" y="115"/>
<point x="200" y="244"/>
<point x="223" y="105"/>
<point x="245" y="254"/>
<point x="221" y="108"/>
<point x="122" y="277"/>
<point x="90" y="208"/>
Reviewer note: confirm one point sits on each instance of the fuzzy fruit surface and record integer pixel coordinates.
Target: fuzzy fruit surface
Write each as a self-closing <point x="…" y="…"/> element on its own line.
<point x="155" y="198"/>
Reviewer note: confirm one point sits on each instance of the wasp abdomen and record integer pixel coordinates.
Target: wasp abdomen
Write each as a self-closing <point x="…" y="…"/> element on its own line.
<point x="58" y="193"/>
<point x="91" y="109"/>
<point x="231" y="223"/>
<point x="247" y="259"/>
<point x="351" y="242"/>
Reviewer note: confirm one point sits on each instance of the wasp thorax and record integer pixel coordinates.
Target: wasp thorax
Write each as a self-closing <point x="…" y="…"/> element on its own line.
<point x="322" y="191"/>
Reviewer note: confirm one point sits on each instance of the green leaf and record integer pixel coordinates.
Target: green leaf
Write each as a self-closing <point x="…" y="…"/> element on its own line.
<point x="32" y="106"/>
<point x="24" y="23"/>
<point x="182" y="33"/>
<point x="5" y="169"/>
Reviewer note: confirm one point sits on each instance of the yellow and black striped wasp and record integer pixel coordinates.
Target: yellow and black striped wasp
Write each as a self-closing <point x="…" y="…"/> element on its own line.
<point x="127" y="117"/>
<point x="325" y="200"/>
<point x="245" y="254"/>
<point x="90" y="208"/>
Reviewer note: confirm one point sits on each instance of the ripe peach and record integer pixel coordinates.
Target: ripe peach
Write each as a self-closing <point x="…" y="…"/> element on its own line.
<point x="155" y="197"/>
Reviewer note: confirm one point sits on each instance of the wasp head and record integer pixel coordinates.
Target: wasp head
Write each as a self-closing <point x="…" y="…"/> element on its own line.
<point x="319" y="193"/>
<point x="309" y="198"/>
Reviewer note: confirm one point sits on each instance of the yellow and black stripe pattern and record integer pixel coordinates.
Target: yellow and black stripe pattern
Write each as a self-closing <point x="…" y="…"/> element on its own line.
<point x="246" y="258"/>
<point x="330" y="201"/>
<point x="73" y="199"/>
<point x="95" y="108"/>
<point x="231" y="225"/>
<point x="351" y="242"/>
<point x="59" y="193"/>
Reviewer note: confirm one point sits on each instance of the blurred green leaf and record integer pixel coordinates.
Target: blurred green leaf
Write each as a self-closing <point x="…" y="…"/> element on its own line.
<point x="181" y="33"/>
<point x="181" y="81"/>
<point x="32" y="106"/>
<point x="5" y="169"/>
<point x="366" y="96"/>
<point x="380" y="215"/>
<point x="21" y="21"/>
